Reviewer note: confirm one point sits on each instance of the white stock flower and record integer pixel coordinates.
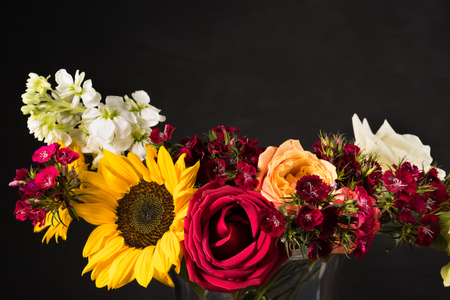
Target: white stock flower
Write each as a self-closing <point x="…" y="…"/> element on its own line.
<point x="392" y="147"/>
<point x="111" y="122"/>
<point x="37" y="84"/>
<point x="44" y="127"/>
<point x="146" y="114"/>
<point x="68" y="88"/>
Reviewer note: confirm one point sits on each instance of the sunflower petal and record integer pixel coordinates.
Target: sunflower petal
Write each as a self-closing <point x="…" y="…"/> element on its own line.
<point x="96" y="179"/>
<point x="120" y="167"/>
<point x="122" y="269"/>
<point x="115" y="183"/>
<point x="137" y="163"/>
<point x="96" y="239"/>
<point x="180" y="165"/>
<point x="166" y="252"/>
<point x="189" y="176"/>
<point x="110" y="251"/>
<point x="95" y="195"/>
<point x="96" y="214"/>
<point x="167" y="168"/>
<point x="155" y="173"/>
<point x="163" y="277"/>
<point x="144" y="266"/>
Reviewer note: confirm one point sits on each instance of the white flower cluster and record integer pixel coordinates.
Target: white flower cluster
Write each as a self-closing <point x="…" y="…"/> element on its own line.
<point x="73" y="112"/>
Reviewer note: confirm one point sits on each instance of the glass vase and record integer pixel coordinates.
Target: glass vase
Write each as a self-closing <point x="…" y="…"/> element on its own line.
<point x="298" y="278"/>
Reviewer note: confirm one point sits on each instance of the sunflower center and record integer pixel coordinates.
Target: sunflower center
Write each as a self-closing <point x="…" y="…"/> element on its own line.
<point x="145" y="214"/>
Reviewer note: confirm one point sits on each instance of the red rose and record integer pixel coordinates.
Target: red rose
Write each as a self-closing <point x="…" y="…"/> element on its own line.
<point x="225" y="249"/>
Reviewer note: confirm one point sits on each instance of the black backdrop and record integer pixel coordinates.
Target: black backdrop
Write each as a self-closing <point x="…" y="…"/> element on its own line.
<point x="275" y="69"/>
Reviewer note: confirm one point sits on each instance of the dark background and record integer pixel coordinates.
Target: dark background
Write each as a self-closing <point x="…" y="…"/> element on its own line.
<point x="275" y="69"/>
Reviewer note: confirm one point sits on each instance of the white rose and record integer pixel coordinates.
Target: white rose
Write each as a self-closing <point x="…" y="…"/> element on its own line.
<point x="392" y="147"/>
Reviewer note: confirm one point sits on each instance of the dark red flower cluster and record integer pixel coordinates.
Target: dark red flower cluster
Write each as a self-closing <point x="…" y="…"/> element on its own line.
<point x="352" y="166"/>
<point x="45" y="188"/>
<point x="417" y="196"/>
<point x="223" y="156"/>
<point x="315" y="215"/>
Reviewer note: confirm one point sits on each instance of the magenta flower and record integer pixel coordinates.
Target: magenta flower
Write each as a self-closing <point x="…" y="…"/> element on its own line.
<point x="311" y="188"/>
<point x="66" y="156"/>
<point x="158" y="137"/>
<point x="246" y="176"/>
<point x="428" y="232"/>
<point x="363" y="243"/>
<point x="272" y="222"/>
<point x="45" y="153"/>
<point x="23" y="208"/>
<point x="308" y="217"/>
<point x="46" y="178"/>
<point x="30" y="189"/>
<point x="21" y="177"/>
<point x="38" y="216"/>
<point x="319" y="247"/>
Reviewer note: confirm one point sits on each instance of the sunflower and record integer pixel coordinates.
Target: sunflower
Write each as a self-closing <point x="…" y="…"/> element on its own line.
<point x="140" y="214"/>
<point x="55" y="228"/>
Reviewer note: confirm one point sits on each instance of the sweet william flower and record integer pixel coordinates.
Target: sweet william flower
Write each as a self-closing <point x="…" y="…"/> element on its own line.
<point x="271" y="222"/>
<point x="45" y="179"/>
<point x="308" y="217"/>
<point x="67" y="87"/>
<point x="391" y="146"/>
<point x="44" y="153"/>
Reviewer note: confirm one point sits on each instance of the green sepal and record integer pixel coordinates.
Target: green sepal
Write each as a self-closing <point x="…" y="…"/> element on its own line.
<point x="185" y="275"/>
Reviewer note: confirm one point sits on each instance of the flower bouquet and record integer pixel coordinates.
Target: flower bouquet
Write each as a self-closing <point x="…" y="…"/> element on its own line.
<point x="218" y="212"/>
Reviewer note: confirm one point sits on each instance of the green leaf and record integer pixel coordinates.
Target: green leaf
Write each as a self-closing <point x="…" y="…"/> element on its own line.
<point x="185" y="275"/>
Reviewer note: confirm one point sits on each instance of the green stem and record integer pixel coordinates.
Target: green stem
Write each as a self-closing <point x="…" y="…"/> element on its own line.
<point x="65" y="104"/>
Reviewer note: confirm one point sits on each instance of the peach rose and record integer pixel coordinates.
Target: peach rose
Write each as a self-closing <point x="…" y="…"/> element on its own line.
<point x="280" y="169"/>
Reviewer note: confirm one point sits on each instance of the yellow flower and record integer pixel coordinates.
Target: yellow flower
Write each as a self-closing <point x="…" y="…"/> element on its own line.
<point x="140" y="216"/>
<point x="55" y="228"/>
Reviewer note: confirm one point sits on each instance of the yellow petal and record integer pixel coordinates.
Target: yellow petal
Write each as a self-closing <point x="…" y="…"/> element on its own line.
<point x="96" y="214"/>
<point x="181" y="198"/>
<point x="96" y="179"/>
<point x="144" y="266"/>
<point x="115" y="183"/>
<point x="97" y="237"/>
<point x="120" y="167"/>
<point x="109" y="251"/>
<point x="167" y="251"/>
<point x="137" y="163"/>
<point x="163" y="277"/>
<point x="180" y="165"/>
<point x="155" y="173"/>
<point x="189" y="176"/>
<point x="122" y="269"/>
<point x="95" y="195"/>
<point x="167" y="168"/>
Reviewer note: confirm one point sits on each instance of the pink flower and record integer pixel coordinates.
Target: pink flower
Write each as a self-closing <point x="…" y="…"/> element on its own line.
<point x="38" y="216"/>
<point x="23" y="208"/>
<point x="245" y="177"/>
<point x="45" y="153"/>
<point x="46" y="178"/>
<point x="66" y="156"/>
<point x="308" y="217"/>
<point x="272" y="222"/>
